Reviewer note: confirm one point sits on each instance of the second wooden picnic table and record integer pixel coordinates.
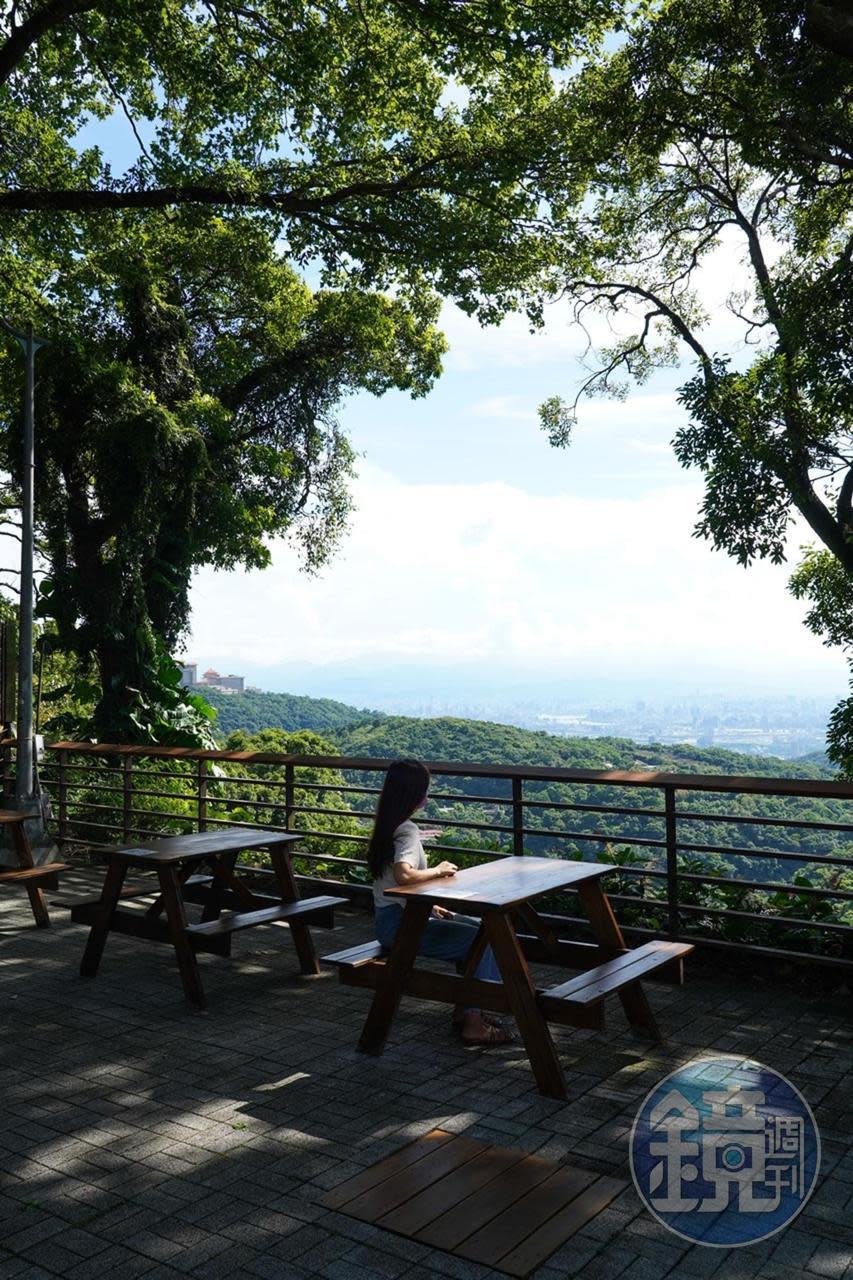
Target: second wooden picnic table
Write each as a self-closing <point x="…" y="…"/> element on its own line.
<point x="499" y="892"/>
<point x="177" y="860"/>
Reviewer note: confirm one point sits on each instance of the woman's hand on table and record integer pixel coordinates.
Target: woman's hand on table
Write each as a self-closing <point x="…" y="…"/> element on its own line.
<point x="445" y="869"/>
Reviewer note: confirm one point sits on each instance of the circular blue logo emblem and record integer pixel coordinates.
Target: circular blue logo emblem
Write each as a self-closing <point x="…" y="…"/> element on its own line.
<point x="725" y="1152"/>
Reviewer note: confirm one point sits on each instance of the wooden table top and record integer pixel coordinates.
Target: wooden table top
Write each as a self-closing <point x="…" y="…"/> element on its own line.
<point x="201" y="844"/>
<point x="506" y="882"/>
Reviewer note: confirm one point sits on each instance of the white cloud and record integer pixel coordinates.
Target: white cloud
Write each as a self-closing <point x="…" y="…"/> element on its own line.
<point x="562" y="341"/>
<point x="489" y="571"/>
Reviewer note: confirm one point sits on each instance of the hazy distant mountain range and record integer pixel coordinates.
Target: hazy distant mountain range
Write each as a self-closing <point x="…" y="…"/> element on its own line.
<point x="358" y="731"/>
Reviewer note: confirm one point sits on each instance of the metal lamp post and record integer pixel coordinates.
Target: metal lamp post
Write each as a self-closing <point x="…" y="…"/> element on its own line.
<point x="25" y="792"/>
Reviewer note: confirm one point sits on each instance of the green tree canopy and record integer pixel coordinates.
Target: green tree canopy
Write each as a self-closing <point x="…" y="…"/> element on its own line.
<point x="389" y="137"/>
<point x="186" y="413"/>
<point x="723" y="126"/>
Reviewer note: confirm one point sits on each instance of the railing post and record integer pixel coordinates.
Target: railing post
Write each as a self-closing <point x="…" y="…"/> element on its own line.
<point x="517" y="817"/>
<point x="674" y="921"/>
<point x="289" y="795"/>
<point x="126" y="796"/>
<point x="202" y="795"/>
<point x="62" y="798"/>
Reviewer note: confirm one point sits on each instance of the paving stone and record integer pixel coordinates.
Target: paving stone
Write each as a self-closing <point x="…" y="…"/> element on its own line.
<point x="142" y="1140"/>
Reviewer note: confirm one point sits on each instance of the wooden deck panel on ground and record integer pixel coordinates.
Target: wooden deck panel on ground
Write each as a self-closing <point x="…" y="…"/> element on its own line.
<point x="500" y="1208"/>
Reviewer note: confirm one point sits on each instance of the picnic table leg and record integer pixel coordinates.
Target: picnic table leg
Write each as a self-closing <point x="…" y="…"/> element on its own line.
<point x="391" y="983"/>
<point x="158" y="906"/>
<point x="521" y="996"/>
<point x="212" y="908"/>
<point x="299" y="931"/>
<point x="606" y="931"/>
<point x="113" y="881"/>
<point x="170" y="887"/>
<point x="25" y="859"/>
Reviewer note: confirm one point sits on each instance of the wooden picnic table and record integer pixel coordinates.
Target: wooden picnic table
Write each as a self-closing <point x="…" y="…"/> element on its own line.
<point x="498" y="893"/>
<point x="26" y="875"/>
<point x="177" y="860"/>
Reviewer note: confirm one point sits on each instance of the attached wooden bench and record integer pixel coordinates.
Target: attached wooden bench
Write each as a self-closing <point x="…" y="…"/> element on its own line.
<point x="356" y="957"/>
<point x="588" y="990"/>
<point x="318" y="911"/>
<point x="577" y="1002"/>
<point x="131" y="891"/>
<point x="32" y="878"/>
<point x="47" y="873"/>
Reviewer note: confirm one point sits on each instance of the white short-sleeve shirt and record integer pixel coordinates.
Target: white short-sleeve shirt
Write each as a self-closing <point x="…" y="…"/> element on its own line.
<point x="407" y="848"/>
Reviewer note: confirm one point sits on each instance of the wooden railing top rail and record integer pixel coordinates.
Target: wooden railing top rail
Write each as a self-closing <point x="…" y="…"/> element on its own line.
<point x="735" y="783"/>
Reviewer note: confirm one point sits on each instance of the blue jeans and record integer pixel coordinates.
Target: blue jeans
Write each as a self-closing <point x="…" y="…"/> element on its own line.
<point x="441" y="940"/>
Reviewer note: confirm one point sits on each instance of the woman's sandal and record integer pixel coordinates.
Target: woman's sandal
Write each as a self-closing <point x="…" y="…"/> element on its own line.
<point x="495" y="1034"/>
<point x="491" y="1019"/>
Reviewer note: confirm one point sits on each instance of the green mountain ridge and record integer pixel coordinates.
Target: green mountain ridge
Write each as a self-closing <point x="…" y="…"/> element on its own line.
<point x="358" y="731"/>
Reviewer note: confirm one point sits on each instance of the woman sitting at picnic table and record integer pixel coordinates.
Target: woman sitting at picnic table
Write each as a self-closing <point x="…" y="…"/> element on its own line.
<point x="396" y="858"/>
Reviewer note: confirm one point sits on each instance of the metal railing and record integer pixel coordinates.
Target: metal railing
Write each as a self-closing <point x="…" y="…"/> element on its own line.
<point x="675" y="873"/>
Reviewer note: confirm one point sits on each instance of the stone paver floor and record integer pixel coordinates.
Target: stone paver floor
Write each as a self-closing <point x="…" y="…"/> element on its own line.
<point x="143" y="1139"/>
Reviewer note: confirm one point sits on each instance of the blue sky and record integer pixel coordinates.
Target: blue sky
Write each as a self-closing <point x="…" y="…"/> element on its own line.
<point x="528" y="560"/>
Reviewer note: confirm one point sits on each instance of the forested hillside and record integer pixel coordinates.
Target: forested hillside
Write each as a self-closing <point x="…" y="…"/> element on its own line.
<point x="479" y="741"/>
<point x="255" y="711"/>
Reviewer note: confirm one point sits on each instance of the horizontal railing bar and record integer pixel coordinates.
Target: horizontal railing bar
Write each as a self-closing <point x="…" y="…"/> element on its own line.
<point x="162" y="795"/>
<point x="789" y="921"/>
<point x="765" y="886"/>
<point x="645" y="841"/>
<point x="504" y="802"/>
<point x="72" y="789"/>
<point x="169" y="815"/>
<point x="659" y="904"/>
<point x="782" y="854"/>
<point x="594" y="808"/>
<point x="325" y="786"/>
<point x="277" y="783"/>
<point x="226" y="802"/>
<point x="739" y="784"/>
<point x="85" y="822"/>
<point x="332" y="813"/>
<point x="54" y="766"/>
<point x="769" y="953"/>
<point x="800" y="823"/>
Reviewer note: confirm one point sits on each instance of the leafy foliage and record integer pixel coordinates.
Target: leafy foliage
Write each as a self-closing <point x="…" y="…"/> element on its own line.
<point x="186" y="413"/>
<point x="711" y="132"/>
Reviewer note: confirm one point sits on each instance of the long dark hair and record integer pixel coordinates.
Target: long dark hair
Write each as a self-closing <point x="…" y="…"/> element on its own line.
<point x="405" y="787"/>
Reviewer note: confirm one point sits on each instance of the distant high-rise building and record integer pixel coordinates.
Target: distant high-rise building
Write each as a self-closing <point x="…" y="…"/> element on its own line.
<point x="189" y="674"/>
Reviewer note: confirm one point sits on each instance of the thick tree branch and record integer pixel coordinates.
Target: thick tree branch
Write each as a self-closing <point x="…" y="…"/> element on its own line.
<point x="89" y="200"/>
<point x="844" y="507"/>
<point x="22" y="39"/>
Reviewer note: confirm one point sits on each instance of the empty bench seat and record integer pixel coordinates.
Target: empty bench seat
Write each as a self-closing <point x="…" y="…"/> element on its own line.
<point x="48" y="871"/>
<point x="594" y="984"/>
<point x="356" y="957"/>
<point x="317" y="911"/>
<point x="129" y="892"/>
